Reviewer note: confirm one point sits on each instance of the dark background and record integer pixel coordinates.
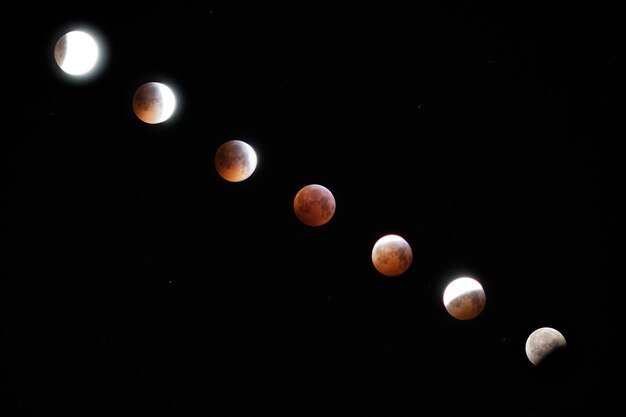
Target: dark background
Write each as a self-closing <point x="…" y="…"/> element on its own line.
<point x="135" y="279"/>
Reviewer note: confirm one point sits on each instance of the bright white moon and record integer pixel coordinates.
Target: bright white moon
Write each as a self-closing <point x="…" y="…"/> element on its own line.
<point x="76" y="53"/>
<point x="458" y="287"/>
<point x="464" y="298"/>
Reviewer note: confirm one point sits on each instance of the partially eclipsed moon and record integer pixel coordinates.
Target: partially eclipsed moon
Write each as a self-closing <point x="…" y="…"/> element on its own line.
<point x="76" y="52"/>
<point x="392" y="255"/>
<point x="314" y="205"/>
<point x="464" y="298"/>
<point x="235" y="160"/>
<point x="542" y="343"/>
<point x="154" y="102"/>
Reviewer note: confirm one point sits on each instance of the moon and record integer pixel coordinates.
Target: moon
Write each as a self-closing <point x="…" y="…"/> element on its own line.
<point x="235" y="160"/>
<point x="392" y="255"/>
<point x="542" y="343"/>
<point x="314" y="205"/>
<point x="76" y="52"/>
<point x="154" y="102"/>
<point x="464" y="298"/>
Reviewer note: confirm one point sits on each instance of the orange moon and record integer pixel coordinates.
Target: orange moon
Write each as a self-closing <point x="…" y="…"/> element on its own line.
<point x="235" y="160"/>
<point x="392" y="255"/>
<point x="314" y="205"/>
<point x="154" y="102"/>
<point x="464" y="298"/>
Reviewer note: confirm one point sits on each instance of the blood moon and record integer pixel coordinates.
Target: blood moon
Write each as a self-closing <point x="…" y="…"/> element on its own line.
<point x="314" y="205"/>
<point x="464" y="298"/>
<point x="392" y="255"/>
<point x="235" y="160"/>
<point x="154" y="102"/>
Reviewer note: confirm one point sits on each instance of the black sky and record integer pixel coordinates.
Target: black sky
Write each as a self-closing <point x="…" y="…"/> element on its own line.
<point x="135" y="279"/>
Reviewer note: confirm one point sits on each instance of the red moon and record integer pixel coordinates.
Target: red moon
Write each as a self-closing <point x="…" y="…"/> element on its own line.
<point x="314" y="205"/>
<point x="235" y="160"/>
<point x="392" y="255"/>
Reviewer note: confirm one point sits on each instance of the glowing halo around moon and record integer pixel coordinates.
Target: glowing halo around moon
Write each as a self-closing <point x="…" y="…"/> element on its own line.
<point x="77" y="53"/>
<point x="235" y="160"/>
<point x="314" y="205"/>
<point x="464" y="298"/>
<point x="392" y="255"/>
<point x="543" y="343"/>
<point x="154" y="102"/>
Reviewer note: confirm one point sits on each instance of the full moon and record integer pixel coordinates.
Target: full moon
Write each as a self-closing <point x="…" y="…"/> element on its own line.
<point x="314" y="205"/>
<point x="542" y="343"/>
<point x="392" y="255"/>
<point x="76" y="52"/>
<point x="235" y="160"/>
<point x="154" y="102"/>
<point x="464" y="298"/>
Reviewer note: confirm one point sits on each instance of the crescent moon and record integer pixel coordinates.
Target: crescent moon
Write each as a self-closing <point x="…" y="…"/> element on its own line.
<point x="542" y="343"/>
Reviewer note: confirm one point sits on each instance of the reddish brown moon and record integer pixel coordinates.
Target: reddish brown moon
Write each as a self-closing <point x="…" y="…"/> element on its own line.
<point x="235" y="160"/>
<point x="392" y="255"/>
<point x="314" y="205"/>
<point x="154" y="102"/>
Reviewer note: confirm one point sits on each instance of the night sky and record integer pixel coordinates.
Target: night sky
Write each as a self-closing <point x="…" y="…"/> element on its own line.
<point x="135" y="279"/>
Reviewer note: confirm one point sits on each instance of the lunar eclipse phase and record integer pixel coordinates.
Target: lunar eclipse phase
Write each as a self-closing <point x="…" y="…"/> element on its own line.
<point x="154" y="102"/>
<point x="392" y="255"/>
<point x="76" y="53"/>
<point x="235" y="160"/>
<point x="544" y="343"/>
<point x="464" y="298"/>
<point x="314" y="205"/>
<point x="465" y="205"/>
